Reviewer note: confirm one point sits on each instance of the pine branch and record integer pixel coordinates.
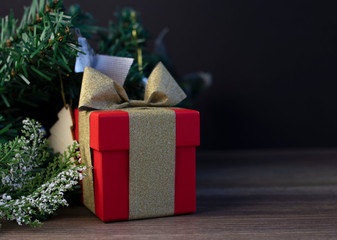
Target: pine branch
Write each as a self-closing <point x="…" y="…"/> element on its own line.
<point x="35" y="56"/>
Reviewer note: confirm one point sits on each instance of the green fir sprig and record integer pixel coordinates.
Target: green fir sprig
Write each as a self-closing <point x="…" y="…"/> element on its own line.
<point x="35" y="52"/>
<point x="84" y="21"/>
<point x="37" y="57"/>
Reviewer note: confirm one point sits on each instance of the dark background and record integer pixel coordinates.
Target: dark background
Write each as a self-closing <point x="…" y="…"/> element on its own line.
<point x="273" y="62"/>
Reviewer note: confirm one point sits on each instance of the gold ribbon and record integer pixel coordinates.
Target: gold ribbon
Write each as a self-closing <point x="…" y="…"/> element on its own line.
<point x="152" y="138"/>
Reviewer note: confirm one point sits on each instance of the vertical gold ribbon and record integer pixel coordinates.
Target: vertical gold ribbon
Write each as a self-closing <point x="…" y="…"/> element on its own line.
<point x="152" y="162"/>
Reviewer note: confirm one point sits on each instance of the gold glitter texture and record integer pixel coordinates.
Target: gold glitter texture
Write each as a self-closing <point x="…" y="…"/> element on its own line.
<point x="84" y="141"/>
<point x="152" y="162"/>
<point x="99" y="91"/>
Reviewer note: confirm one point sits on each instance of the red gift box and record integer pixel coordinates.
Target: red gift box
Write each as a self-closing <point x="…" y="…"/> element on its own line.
<point x="109" y="141"/>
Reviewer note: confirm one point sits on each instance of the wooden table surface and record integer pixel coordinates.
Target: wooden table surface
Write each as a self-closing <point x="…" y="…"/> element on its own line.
<point x="240" y="195"/>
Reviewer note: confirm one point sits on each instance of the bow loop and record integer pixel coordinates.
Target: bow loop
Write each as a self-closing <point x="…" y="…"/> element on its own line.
<point x="100" y="92"/>
<point x="161" y="89"/>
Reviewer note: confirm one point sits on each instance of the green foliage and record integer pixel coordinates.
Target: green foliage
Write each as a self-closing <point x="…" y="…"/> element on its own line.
<point x="120" y="40"/>
<point x="127" y="37"/>
<point x="7" y="130"/>
<point x="37" y="58"/>
<point x="34" y="52"/>
<point x="83" y="21"/>
<point x="33" y="181"/>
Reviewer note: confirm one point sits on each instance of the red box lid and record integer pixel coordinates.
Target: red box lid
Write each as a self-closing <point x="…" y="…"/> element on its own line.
<point x="109" y="130"/>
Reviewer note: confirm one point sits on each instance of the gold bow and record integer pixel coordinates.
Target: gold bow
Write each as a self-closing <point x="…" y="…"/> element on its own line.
<point x="101" y="92"/>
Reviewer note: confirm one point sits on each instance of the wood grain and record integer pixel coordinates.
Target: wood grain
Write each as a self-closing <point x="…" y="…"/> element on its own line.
<point x="241" y="195"/>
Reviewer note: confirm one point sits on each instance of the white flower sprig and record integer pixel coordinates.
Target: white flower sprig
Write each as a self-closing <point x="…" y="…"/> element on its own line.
<point x="33" y="182"/>
<point x="29" y="153"/>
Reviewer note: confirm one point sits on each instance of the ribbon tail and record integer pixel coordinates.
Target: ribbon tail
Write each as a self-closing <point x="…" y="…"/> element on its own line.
<point x="84" y="141"/>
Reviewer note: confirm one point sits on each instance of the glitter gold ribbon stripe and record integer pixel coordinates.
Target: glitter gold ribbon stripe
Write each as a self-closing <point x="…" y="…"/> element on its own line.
<point x="152" y="162"/>
<point x="84" y="141"/>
